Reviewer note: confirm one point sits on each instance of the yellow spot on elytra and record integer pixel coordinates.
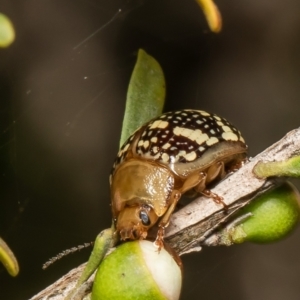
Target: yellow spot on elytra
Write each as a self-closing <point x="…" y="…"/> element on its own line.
<point x="126" y="148"/>
<point x="177" y="130"/>
<point x="155" y="149"/>
<point x="188" y="133"/>
<point x="226" y="128"/>
<point x="159" y="124"/>
<point x="182" y="153"/>
<point x="165" y="157"/>
<point x="154" y="139"/>
<point x="191" y="156"/>
<point x="204" y="113"/>
<point x="212" y="141"/>
<point x="229" y="136"/>
<point x="195" y="134"/>
<point x="146" y="144"/>
<point x="166" y="146"/>
<point x="202" y="138"/>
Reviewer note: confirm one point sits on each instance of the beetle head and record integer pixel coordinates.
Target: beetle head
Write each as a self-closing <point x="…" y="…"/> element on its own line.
<point x="134" y="221"/>
<point x="140" y="192"/>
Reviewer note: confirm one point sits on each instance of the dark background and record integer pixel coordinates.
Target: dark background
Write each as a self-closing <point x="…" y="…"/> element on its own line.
<point x="62" y="103"/>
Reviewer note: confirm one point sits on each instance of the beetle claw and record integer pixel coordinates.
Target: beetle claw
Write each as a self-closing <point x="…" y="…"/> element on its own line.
<point x="215" y="197"/>
<point x="126" y="234"/>
<point x="132" y="233"/>
<point x="159" y="242"/>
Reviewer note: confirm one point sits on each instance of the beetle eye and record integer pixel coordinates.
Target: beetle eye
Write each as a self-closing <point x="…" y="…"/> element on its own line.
<point x="144" y="218"/>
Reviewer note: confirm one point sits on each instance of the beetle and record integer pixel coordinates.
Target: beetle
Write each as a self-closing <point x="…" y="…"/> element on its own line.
<point x="177" y="152"/>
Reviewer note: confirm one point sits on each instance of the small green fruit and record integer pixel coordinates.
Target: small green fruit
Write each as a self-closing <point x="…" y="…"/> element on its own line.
<point x="274" y="215"/>
<point x="136" y="270"/>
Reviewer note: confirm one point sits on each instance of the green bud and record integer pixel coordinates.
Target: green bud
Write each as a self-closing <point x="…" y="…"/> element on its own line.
<point x="137" y="270"/>
<point x="274" y="215"/>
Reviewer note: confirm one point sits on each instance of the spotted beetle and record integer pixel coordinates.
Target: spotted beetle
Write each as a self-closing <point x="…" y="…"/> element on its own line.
<point x="168" y="156"/>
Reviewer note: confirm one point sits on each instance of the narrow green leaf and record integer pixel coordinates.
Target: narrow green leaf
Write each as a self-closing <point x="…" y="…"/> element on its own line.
<point x="288" y="168"/>
<point x="212" y="14"/>
<point x="8" y="259"/>
<point x="7" y="32"/>
<point x="105" y="240"/>
<point x="145" y="96"/>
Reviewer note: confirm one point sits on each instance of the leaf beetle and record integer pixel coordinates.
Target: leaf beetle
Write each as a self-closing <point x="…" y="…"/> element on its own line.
<point x="177" y="152"/>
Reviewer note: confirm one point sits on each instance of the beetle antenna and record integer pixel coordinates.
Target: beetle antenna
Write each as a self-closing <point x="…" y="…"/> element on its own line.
<point x="64" y="253"/>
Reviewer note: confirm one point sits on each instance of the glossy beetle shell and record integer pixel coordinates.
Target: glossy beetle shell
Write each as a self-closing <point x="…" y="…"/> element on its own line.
<point x="163" y="159"/>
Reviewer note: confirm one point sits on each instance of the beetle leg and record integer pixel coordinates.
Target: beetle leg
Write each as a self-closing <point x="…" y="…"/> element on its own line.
<point x="164" y="222"/>
<point x="215" y="197"/>
<point x="159" y="241"/>
<point x="214" y="171"/>
<point x="194" y="180"/>
<point x="237" y="165"/>
<point x="202" y="183"/>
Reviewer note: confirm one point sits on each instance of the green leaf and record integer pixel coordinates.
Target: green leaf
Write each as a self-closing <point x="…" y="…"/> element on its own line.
<point x="105" y="240"/>
<point x="8" y="259"/>
<point x="7" y="32"/>
<point x="287" y="168"/>
<point x="212" y="14"/>
<point x="145" y="96"/>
